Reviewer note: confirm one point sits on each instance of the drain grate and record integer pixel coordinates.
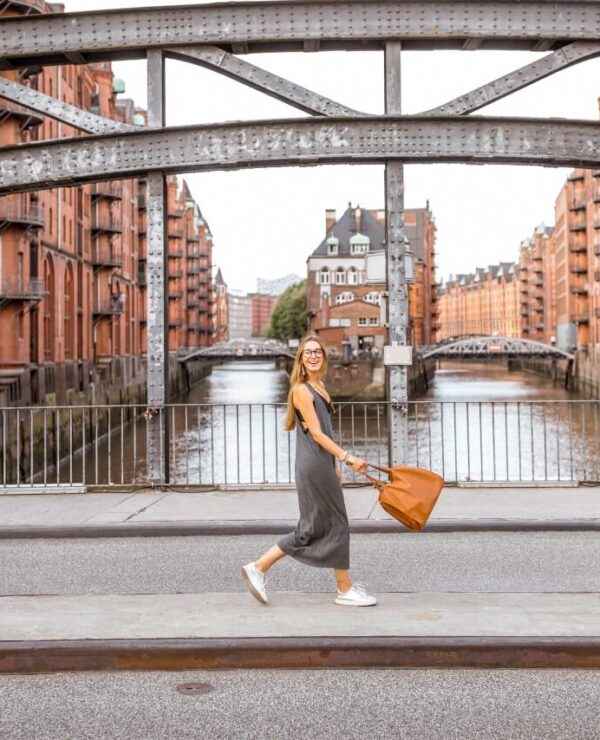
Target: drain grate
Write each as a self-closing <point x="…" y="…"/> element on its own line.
<point x="192" y="689"/>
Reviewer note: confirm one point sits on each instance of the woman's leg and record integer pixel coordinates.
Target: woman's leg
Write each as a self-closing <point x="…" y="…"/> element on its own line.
<point x="344" y="583"/>
<point x="269" y="558"/>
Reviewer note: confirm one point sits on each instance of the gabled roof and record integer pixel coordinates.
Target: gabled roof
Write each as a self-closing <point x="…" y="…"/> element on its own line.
<point x="346" y="228"/>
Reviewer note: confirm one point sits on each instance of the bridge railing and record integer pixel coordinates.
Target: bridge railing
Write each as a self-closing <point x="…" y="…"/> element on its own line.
<point x="245" y="444"/>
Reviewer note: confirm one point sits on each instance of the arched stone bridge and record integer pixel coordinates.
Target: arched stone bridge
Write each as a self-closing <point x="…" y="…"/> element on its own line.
<point x="243" y="349"/>
<point x="494" y="347"/>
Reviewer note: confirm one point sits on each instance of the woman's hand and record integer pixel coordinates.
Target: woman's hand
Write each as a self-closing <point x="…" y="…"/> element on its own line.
<point x="338" y="472"/>
<point x="359" y="465"/>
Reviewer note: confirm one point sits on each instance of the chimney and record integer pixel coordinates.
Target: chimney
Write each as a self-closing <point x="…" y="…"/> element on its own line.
<point x="357" y="219"/>
<point x="330" y="219"/>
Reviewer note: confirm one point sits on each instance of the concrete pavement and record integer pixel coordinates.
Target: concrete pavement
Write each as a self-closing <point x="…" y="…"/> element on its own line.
<point x="223" y="630"/>
<point x="273" y="511"/>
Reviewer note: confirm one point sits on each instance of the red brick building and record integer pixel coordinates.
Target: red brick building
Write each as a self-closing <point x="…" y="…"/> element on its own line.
<point x="73" y="260"/>
<point x="262" y="308"/>
<point x="343" y="306"/>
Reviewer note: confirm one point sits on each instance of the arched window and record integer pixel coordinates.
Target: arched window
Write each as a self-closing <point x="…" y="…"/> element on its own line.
<point x="69" y="313"/>
<point x="352" y="276"/>
<point x="340" y="276"/>
<point x="49" y="310"/>
<point x="324" y="276"/>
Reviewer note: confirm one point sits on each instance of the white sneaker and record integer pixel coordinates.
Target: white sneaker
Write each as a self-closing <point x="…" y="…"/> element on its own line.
<point x="357" y="596"/>
<point x="256" y="582"/>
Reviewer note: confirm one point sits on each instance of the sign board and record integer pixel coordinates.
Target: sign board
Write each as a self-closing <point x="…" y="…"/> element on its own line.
<point x="375" y="265"/>
<point x="397" y="356"/>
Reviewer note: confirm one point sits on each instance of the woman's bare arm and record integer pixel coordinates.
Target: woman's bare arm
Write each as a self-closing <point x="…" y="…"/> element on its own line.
<point x="304" y="402"/>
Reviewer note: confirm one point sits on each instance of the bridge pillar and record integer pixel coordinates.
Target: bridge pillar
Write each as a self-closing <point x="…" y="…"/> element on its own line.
<point x="397" y="314"/>
<point x="157" y="308"/>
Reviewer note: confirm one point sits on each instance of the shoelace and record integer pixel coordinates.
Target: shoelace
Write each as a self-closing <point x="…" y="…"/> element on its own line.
<point x="360" y="588"/>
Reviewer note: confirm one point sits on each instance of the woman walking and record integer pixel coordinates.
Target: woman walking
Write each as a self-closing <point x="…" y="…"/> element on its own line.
<point x="321" y="537"/>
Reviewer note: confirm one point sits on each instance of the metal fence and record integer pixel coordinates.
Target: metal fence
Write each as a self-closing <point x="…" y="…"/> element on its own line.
<point x="237" y="444"/>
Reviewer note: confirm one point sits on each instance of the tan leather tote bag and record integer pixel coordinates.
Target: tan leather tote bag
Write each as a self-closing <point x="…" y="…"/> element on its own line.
<point x="409" y="495"/>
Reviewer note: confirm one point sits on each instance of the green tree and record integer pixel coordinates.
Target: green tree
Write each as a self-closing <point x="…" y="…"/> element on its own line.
<point x="288" y="320"/>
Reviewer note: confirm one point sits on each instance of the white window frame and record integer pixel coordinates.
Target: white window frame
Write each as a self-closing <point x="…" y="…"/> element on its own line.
<point x="325" y="274"/>
<point x="362" y="321"/>
<point x="373" y="321"/>
<point x="340" y="276"/>
<point x="352" y="276"/>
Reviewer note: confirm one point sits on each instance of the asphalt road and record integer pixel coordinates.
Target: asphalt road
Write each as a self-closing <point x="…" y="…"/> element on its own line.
<point x="536" y="561"/>
<point x="304" y="705"/>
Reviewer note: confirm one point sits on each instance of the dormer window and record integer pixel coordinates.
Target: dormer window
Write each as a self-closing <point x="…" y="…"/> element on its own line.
<point x="333" y="246"/>
<point x="373" y="297"/>
<point x="359" y="244"/>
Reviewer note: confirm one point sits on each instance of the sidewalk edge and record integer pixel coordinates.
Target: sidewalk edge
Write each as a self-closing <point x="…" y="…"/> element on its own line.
<point x="278" y="527"/>
<point x="300" y="652"/>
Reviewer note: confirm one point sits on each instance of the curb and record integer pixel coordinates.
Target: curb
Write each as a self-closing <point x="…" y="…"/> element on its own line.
<point x="278" y="527"/>
<point x="298" y="652"/>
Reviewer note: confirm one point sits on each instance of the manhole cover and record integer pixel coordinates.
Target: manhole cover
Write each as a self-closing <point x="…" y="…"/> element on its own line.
<point x="194" y="688"/>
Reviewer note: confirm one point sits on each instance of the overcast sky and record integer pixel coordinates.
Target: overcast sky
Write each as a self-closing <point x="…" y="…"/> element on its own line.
<point x="266" y="222"/>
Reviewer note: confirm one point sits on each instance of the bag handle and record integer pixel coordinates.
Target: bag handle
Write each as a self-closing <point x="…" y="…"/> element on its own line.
<point x="381" y="468"/>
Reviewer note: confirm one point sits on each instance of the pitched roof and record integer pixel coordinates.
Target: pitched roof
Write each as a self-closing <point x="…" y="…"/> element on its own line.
<point x="353" y="221"/>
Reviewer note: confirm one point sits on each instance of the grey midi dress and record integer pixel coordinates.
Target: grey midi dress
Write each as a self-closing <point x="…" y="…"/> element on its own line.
<point x="322" y="536"/>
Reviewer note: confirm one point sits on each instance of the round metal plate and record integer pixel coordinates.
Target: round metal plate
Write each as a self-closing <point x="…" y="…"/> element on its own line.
<point x="191" y="689"/>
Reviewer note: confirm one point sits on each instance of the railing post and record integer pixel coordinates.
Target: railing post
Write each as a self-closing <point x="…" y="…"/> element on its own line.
<point x="157" y="308"/>
<point x="397" y="313"/>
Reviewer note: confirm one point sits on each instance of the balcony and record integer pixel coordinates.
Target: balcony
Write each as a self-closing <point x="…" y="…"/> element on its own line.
<point x="579" y="269"/>
<point x="193" y="237"/>
<point x="576" y="246"/>
<point x="174" y="251"/>
<point x="596" y="222"/>
<point x="524" y="312"/>
<point x="107" y="224"/>
<point x="577" y="202"/>
<point x="579" y="289"/>
<point x="106" y="257"/>
<point x="175" y="322"/>
<point x="192" y="301"/>
<point x="578" y="222"/>
<point x="15" y="212"/>
<point x="193" y="271"/>
<point x="108" y="307"/>
<point x="14" y="289"/>
<point x="581" y="317"/>
<point x="27" y="118"/>
<point x="175" y="233"/>
<point x="176" y="212"/>
<point x="175" y="274"/>
<point x="175" y="294"/>
<point x="109" y="190"/>
<point x="597" y="276"/>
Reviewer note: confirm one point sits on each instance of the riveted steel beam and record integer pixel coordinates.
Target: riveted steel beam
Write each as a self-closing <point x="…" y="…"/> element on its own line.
<point x="397" y="308"/>
<point x="60" y="111"/>
<point x="157" y="294"/>
<point x="218" y="60"/>
<point x="296" y="25"/>
<point x="569" y="55"/>
<point x="300" y="142"/>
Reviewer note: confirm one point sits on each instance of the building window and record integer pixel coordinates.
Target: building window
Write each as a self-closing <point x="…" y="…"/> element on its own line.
<point x="344" y="297"/>
<point x="340" y="276"/>
<point x="352" y="276"/>
<point x="374" y="321"/>
<point x="332" y="249"/>
<point x="324" y="276"/>
<point x="374" y="298"/>
<point x="362" y="321"/>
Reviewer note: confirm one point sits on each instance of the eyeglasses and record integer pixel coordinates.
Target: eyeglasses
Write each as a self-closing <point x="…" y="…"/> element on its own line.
<point x="312" y="353"/>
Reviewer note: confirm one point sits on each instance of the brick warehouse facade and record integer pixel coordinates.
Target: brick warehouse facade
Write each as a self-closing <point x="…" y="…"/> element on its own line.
<point x="72" y="260"/>
<point x="555" y="285"/>
<point x="343" y="307"/>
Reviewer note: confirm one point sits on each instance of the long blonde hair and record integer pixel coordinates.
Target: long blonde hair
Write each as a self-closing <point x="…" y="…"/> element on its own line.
<point x="299" y="375"/>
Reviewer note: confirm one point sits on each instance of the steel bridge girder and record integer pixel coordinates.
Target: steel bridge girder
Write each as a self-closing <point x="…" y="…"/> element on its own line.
<point x="288" y="26"/>
<point x="299" y="142"/>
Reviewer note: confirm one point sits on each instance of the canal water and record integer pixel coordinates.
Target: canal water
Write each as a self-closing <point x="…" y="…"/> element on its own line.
<point x="477" y="421"/>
